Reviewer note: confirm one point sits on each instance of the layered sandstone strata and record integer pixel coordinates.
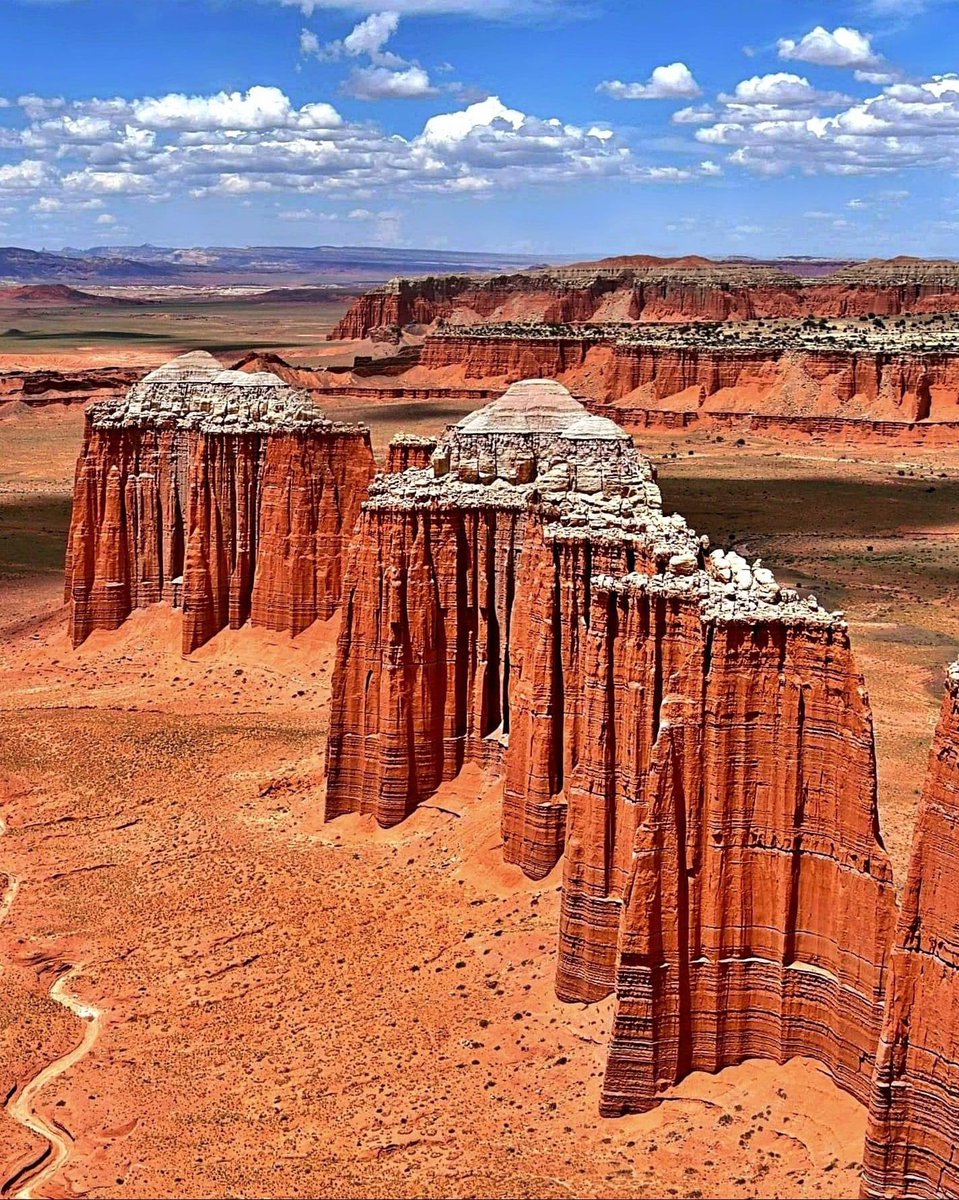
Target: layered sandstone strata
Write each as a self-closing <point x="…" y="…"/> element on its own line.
<point x="587" y="292"/>
<point x="226" y="492"/>
<point x="913" y="1126"/>
<point x="868" y="370"/>
<point x="40" y="388"/>
<point x="694" y="740"/>
<point x="664" y="290"/>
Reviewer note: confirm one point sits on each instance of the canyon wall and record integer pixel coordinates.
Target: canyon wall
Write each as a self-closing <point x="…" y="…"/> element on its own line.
<point x="692" y="740"/>
<point x="771" y="381"/>
<point x="700" y="291"/>
<point x="39" y="388"/>
<point x="229" y="494"/>
<point x="913" y="1128"/>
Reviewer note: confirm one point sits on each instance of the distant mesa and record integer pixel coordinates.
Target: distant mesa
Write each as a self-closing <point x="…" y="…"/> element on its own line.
<point x="643" y="261"/>
<point x="52" y="295"/>
<point x="640" y="288"/>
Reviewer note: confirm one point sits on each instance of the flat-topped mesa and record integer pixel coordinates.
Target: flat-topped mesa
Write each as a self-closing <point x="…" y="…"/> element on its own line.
<point x="913" y="1124"/>
<point x="694" y="737"/>
<point x="224" y="492"/>
<point x="645" y="289"/>
<point x="650" y="290"/>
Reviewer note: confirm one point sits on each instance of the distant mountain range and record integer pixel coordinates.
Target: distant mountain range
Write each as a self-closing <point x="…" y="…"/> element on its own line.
<point x="219" y="266"/>
<point x="278" y="266"/>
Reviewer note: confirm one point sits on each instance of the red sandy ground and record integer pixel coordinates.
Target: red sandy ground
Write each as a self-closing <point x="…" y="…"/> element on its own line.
<point x="293" y="1008"/>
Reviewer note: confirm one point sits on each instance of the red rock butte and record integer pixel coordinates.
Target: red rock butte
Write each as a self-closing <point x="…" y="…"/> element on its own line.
<point x="691" y="741"/>
<point x="226" y="493"/>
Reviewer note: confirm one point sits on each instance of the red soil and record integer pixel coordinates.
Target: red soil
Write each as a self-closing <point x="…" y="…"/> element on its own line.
<point x="298" y="1008"/>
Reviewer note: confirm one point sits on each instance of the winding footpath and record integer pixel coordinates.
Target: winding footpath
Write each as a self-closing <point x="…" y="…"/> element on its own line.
<point x="22" y="1106"/>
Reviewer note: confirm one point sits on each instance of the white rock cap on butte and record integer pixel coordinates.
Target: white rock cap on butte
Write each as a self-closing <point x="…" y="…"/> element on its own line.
<point x="530" y="406"/>
<point x="195" y="391"/>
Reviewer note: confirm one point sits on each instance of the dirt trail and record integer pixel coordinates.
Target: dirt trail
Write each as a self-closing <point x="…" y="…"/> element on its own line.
<point x="22" y="1106"/>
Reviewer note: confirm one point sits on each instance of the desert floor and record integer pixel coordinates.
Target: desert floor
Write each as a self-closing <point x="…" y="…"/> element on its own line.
<point x="253" y="1002"/>
<point x="89" y="335"/>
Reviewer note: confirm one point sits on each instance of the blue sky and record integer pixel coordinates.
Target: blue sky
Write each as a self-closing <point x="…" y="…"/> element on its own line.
<point x="541" y="126"/>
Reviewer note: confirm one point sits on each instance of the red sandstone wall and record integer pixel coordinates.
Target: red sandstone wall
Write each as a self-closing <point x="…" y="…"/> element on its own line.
<point x="509" y="359"/>
<point x="126" y="539"/>
<point x="759" y="904"/>
<point x="913" y="1125"/>
<point x="796" y="383"/>
<point x="631" y="298"/>
<point x="222" y="535"/>
<point x="714" y="789"/>
<point x="419" y="686"/>
<point x="311" y="489"/>
<point x="254" y="526"/>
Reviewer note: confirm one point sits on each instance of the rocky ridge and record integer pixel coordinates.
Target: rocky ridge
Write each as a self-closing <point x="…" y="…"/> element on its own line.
<point x="649" y="290"/>
<point x="906" y="372"/>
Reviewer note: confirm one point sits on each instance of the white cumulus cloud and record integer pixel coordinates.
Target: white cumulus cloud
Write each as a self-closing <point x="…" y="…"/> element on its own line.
<point x="672" y="82"/>
<point x="450" y="129"/>
<point x="257" y="108"/>
<point x="905" y="126"/>
<point x="843" y="47"/>
<point x="381" y="83"/>
<point x="388" y="77"/>
<point x="694" y="116"/>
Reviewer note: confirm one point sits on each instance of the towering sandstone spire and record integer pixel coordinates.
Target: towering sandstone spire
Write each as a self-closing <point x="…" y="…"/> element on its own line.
<point x="226" y="492"/>
<point x="913" y="1131"/>
<point x="693" y="739"/>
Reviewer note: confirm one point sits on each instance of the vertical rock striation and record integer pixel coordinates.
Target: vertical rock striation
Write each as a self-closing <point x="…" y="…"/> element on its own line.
<point x="694" y="741"/>
<point x="758" y="905"/>
<point x="227" y="492"/>
<point x="913" y="1125"/>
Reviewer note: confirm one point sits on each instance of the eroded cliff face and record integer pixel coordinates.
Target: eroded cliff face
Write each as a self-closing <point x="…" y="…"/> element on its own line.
<point x="421" y="662"/>
<point x="508" y="359"/>
<point x="39" y="388"/>
<point x="701" y="291"/>
<point x="913" y="1125"/>
<point x="126" y="541"/>
<point x="758" y="906"/>
<point x="692" y="740"/>
<point x="310" y="491"/>
<point x="227" y="493"/>
<point x="710" y="292"/>
<point x="614" y="368"/>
